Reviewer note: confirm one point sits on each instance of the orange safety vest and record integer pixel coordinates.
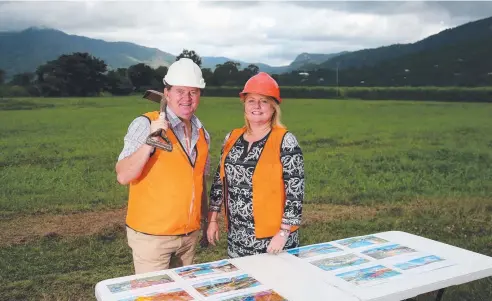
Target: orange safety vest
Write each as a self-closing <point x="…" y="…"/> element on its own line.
<point x="268" y="184"/>
<point x="166" y="198"/>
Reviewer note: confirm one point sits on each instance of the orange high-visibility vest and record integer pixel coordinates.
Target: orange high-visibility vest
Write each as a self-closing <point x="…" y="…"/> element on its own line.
<point x="268" y="183"/>
<point x="166" y="198"/>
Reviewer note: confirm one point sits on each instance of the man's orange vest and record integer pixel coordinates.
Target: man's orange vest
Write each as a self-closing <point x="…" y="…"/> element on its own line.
<point x="166" y="198"/>
<point x="268" y="184"/>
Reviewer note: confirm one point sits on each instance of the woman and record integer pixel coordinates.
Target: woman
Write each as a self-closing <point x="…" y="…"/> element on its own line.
<point x="260" y="176"/>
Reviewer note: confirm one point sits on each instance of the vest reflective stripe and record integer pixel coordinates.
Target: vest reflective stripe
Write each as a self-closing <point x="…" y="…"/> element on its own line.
<point x="166" y="198"/>
<point x="268" y="184"/>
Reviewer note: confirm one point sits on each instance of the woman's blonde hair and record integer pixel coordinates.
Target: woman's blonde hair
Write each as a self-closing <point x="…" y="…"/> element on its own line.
<point x="275" y="121"/>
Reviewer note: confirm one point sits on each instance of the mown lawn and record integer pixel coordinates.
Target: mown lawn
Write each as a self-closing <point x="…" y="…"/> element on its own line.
<point x="420" y="167"/>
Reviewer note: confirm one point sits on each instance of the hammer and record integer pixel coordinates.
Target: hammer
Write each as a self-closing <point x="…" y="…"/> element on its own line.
<point x="158" y="97"/>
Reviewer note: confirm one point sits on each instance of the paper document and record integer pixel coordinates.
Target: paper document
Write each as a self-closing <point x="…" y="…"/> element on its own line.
<point x="174" y="294"/>
<point x="139" y="283"/>
<point x="206" y="269"/>
<point x="369" y="276"/>
<point x="361" y="241"/>
<point x="314" y="250"/>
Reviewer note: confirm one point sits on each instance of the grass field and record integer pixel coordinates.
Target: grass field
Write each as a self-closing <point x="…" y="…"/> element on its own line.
<point x="420" y="167"/>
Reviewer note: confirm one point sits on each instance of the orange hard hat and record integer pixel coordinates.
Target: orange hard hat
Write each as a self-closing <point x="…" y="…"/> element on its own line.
<point x="263" y="84"/>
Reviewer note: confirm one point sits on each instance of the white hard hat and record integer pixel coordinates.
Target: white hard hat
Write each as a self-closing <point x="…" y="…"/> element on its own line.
<point x="184" y="72"/>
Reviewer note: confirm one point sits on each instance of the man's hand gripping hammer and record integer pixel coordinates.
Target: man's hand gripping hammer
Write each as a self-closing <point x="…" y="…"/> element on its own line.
<point x="163" y="144"/>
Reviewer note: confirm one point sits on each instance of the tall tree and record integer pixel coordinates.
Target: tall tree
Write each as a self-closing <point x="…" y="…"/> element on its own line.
<point x="118" y="83"/>
<point x="253" y="69"/>
<point x="141" y="76"/>
<point x="2" y="76"/>
<point x="226" y="73"/>
<point x="208" y="76"/>
<point x="76" y="74"/>
<point x="159" y="74"/>
<point x="191" y="54"/>
<point x="23" y="79"/>
<point x="247" y="73"/>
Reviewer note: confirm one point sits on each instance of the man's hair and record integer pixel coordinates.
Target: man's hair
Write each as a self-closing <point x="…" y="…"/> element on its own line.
<point x="166" y="85"/>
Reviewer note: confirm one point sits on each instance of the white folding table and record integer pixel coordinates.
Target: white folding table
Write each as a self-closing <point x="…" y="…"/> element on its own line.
<point x="297" y="278"/>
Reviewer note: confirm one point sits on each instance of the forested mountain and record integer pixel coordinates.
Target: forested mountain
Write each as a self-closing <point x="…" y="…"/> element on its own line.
<point x="454" y="57"/>
<point x="466" y="33"/>
<point x="24" y="51"/>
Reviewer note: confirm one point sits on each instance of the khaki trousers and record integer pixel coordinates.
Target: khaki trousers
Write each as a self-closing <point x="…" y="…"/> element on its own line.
<point x="154" y="252"/>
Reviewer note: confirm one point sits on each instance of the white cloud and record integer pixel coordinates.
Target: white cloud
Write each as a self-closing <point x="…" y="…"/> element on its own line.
<point x="271" y="32"/>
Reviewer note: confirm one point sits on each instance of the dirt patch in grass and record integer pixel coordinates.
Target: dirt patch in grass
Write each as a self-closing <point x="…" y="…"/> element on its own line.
<point x="28" y="228"/>
<point x="23" y="229"/>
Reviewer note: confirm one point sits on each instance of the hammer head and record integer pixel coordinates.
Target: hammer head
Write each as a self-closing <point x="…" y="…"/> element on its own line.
<point x="153" y="95"/>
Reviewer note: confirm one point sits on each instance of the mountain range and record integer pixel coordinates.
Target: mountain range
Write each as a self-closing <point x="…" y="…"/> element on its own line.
<point x="24" y="51"/>
<point x="476" y="30"/>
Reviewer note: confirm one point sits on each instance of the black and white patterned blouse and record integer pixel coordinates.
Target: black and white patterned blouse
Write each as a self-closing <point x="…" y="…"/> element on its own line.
<point x="239" y="168"/>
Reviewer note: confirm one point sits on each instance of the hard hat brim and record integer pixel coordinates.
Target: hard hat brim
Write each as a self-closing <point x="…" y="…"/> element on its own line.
<point x="243" y="93"/>
<point x="167" y="83"/>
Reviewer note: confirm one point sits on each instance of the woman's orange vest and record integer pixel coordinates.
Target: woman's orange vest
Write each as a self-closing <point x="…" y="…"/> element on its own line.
<point x="268" y="184"/>
<point x="166" y="198"/>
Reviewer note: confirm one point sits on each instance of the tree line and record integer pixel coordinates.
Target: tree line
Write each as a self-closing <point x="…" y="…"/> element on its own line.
<point x="81" y="74"/>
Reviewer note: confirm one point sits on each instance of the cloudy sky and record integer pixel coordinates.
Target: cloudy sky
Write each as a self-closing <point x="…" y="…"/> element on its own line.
<point x="272" y="32"/>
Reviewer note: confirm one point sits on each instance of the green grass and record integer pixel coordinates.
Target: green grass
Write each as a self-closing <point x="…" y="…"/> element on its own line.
<point x="62" y="157"/>
<point x="429" y="165"/>
<point x="68" y="269"/>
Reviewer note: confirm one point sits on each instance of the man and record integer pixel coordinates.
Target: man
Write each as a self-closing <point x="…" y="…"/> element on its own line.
<point x="167" y="190"/>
